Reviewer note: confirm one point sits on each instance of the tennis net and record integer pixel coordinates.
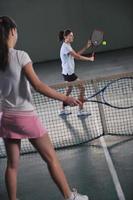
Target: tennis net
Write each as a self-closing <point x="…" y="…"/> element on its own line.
<point x="70" y="130"/>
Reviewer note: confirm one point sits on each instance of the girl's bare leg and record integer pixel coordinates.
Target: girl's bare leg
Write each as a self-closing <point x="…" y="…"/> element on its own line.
<point x="13" y="155"/>
<point x="47" y="152"/>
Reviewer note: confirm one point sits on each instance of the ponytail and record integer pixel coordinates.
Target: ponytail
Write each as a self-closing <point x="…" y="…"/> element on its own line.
<point x="62" y="34"/>
<point x="6" y="24"/>
<point x="3" y="49"/>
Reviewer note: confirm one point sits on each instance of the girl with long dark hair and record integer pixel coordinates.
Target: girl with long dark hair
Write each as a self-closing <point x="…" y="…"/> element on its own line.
<point x="67" y="55"/>
<point x="19" y="118"/>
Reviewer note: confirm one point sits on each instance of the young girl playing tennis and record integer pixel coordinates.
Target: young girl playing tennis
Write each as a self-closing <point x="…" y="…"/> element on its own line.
<point x="67" y="55"/>
<point x="19" y="119"/>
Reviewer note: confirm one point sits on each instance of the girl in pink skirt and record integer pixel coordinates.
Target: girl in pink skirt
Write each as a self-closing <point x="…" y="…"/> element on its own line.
<point x="19" y="119"/>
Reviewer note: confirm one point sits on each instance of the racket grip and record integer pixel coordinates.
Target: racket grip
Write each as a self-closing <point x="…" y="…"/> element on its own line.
<point x="93" y="54"/>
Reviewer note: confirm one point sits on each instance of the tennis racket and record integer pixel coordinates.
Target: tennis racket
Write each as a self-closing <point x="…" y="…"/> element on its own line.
<point x="116" y="94"/>
<point x="96" y="39"/>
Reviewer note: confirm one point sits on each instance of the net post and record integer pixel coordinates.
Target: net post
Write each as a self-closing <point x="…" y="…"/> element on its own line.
<point x="101" y="109"/>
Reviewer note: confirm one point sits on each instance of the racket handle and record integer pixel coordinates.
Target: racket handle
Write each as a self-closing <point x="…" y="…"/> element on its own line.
<point x="93" y="54"/>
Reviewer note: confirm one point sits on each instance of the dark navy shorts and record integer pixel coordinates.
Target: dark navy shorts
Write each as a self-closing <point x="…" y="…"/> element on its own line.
<point x="69" y="78"/>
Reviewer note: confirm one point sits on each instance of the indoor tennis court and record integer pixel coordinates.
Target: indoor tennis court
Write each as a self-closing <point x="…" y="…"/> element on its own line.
<point x="95" y="151"/>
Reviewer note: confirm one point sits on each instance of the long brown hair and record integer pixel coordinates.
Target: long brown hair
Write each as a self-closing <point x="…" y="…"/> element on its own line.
<point x="6" y="24"/>
<point x="64" y="33"/>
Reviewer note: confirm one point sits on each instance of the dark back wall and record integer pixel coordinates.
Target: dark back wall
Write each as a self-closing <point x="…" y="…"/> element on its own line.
<point x="39" y="22"/>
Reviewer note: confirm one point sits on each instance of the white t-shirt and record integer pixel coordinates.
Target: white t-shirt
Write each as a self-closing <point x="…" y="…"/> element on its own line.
<point x="68" y="65"/>
<point x="14" y="86"/>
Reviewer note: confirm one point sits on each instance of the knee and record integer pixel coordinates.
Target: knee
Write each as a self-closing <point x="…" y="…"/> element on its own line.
<point x="12" y="164"/>
<point x="51" y="160"/>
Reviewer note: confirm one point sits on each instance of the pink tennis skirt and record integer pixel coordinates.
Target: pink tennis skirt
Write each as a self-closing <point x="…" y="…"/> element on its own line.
<point x="19" y="125"/>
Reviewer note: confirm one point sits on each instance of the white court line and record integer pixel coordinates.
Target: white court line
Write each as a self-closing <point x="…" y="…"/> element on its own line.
<point x="112" y="170"/>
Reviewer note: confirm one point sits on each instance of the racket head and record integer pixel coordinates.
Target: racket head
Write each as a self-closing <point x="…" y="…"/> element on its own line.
<point x="119" y="93"/>
<point x="97" y="37"/>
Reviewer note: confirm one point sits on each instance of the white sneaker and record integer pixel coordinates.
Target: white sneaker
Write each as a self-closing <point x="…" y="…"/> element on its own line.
<point x="83" y="113"/>
<point x="77" y="196"/>
<point x="65" y="112"/>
